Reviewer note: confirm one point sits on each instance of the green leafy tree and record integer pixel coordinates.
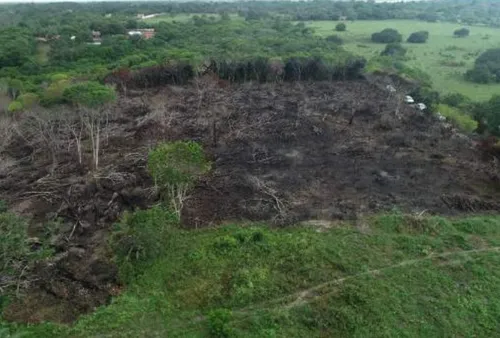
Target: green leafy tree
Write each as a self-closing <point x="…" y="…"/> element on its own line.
<point x="486" y="67"/>
<point x="175" y="167"/>
<point x="340" y="27"/>
<point x="461" y="33"/>
<point x="418" y="37"/>
<point x="387" y="35"/>
<point x="92" y="99"/>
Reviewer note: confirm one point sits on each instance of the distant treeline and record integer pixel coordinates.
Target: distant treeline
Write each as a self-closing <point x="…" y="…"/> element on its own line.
<point x="463" y="11"/>
<point x="259" y="69"/>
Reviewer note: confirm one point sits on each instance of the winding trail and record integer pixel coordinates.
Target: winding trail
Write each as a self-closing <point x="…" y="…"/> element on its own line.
<point x="317" y="291"/>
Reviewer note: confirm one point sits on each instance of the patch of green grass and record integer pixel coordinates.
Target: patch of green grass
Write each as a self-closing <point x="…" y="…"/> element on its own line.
<point x="444" y="57"/>
<point x="460" y="119"/>
<point x="402" y="276"/>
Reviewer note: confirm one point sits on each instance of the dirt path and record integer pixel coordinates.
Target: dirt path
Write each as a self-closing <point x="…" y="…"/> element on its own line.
<point x="309" y="295"/>
<point x="312" y="293"/>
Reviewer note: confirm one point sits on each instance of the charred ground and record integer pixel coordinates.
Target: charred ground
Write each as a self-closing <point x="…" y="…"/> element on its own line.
<point x="282" y="153"/>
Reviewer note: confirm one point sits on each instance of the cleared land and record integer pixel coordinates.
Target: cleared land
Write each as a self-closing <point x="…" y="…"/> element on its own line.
<point x="282" y="154"/>
<point x="443" y="57"/>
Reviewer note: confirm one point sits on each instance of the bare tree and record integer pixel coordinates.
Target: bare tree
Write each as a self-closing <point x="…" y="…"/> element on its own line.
<point x="41" y="130"/>
<point x="92" y="99"/>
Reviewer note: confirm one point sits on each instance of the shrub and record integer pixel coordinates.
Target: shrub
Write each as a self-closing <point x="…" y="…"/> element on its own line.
<point x="458" y="118"/>
<point x="388" y="35"/>
<point x="15" y="106"/>
<point x="334" y="39"/>
<point x="140" y="237"/>
<point x="28" y="100"/>
<point x="395" y="50"/>
<point x="340" y="27"/>
<point x="461" y="33"/>
<point x="418" y="37"/>
<point x="455" y="100"/>
<point x="175" y="167"/>
<point x="16" y="253"/>
<point x="218" y="322"/>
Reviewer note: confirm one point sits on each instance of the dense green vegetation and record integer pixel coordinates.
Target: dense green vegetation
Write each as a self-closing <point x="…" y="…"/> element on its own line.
<point x="389" y="276"/>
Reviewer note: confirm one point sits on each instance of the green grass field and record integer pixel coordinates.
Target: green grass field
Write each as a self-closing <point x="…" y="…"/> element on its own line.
<point x="443" y="57"/>
<point x="386" y="276"/>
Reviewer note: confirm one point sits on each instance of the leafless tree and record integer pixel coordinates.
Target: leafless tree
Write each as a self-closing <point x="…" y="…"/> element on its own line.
<point x="41" y="129"/>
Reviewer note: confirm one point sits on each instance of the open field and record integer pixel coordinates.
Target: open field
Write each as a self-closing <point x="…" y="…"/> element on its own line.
<point x="434" y="57"/>
<point x="387" y="276"/>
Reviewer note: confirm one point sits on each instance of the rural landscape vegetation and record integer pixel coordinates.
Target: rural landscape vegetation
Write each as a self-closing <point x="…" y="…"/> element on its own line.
<point x="250" y="169"/>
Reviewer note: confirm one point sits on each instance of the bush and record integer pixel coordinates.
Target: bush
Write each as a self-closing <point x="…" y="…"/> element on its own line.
<point x="388" y="35"/>
<point x="15" y="106"/>
<point x="461" y="33"/>
<point x="340" y="27"/>
<point x="394" y="50"/>
<point x="458" y="118"/>
<point x="175" y="167"/>
<point x="418" y="37"/>
<point x="16" y="252"/>
<point x="455" y="100"/>
<point x="139" y="238"/>
<point x="218" y="321"/>
<point x="335" y="39"/>
<point x="28" y="100"/>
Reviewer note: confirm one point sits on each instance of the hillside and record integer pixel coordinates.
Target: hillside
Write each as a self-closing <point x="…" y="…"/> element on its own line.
<point x="282" y="154"/>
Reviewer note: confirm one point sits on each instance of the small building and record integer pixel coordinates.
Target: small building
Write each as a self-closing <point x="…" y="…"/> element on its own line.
<point x="96" y="36"/>
<point x="147" y="33"/>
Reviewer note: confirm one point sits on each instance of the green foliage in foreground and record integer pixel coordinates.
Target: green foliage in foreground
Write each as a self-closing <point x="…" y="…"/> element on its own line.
<point x="458" y="118"/>
<point x="389" y="276"/>
<point x="175" y="167"/>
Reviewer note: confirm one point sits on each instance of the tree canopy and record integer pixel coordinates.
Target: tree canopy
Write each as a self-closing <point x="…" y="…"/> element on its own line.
<point x="461" y="32"/>
<point x="486" y="67"/>
<point x="89" y="94"/>
<point x="418" y="37"/>
<point x="387" y="35"/>
<point x="340" y="27"/>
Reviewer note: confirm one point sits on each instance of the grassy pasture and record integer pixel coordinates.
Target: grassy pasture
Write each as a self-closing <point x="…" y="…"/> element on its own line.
<point x="444" y="57"/>
<point x="391" y="276"/>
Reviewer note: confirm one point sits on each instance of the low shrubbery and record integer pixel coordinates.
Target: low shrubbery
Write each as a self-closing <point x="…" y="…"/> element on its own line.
<point x="175" y="167"/>
<point x="460" y="119"/>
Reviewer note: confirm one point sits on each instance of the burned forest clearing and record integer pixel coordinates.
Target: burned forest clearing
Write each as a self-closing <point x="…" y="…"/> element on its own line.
<point x="326" y="156"/>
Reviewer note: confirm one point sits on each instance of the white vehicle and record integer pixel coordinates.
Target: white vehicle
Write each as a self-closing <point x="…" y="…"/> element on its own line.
<point x="409" y="99"/>
<point x="390" y="89"/>
<point x="421" y="106"/>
